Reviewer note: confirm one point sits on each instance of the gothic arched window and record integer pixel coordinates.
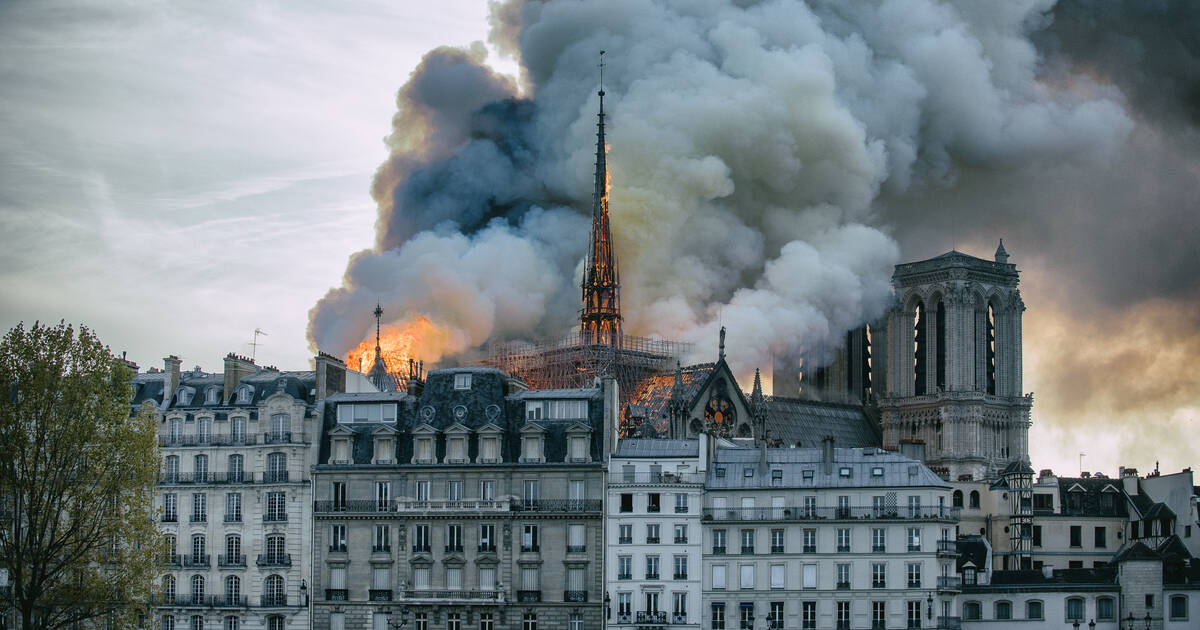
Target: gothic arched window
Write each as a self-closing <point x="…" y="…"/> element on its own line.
<point x="920" y="349"/>
<point x="940" y="360"/>
<point x="990" y="349"/>
<point x="958" y="498"/>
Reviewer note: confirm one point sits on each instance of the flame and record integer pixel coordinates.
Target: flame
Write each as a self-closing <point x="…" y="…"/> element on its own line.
<point x="607" y="177"/>
<point x="416" y="337"/>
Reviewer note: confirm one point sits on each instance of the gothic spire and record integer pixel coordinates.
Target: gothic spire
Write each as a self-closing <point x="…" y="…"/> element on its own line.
<point x="600" y="318"/>
<point x="756" y="395"/>
<point x="378" y="314"/>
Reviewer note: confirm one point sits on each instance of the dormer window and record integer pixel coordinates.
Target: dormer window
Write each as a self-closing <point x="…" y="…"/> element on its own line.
<point x="210" y="396"/>
<point x="489" y="445"/>
<point x="342" y="449"/>
<point x="877" y="471"/>
<point x="462" y="381"/>
<point x="532" y="451"/>
<point x="244" y="393"/>
<point x="184" y="395"/>
<point x="456" y="444"/>
<point x="423" y="445"/>
<point x="384" y="448"/>
<point x="579" y="443"/>
<point x="845" y="471"/>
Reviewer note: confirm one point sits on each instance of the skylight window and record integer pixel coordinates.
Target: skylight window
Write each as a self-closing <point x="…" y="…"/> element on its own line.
<point x="462" y="381"/>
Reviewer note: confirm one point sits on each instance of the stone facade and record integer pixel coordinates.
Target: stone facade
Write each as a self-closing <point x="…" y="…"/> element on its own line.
<point x="234" y="499"/>
<point x="466" y="500"/>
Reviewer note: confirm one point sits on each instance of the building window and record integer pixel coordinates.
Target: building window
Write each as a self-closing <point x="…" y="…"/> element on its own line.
<point x="914" y="614"/>
<point x="624" y="567"/>
<point x="337" y="538"/>
<point x="651" y="567"/>
<point x="972" y="611"/>
<point x="463" y="381"/>
<point x="775" y="616"/>
<point x="529" y="621"/>
<point x="277" y="506"/>
<point x="809" y="576"/>
<point x="1075" y="608"/>
<point x="626" y="503"/>
<point x="746" y="616"/>
<point x="1033" y="610"/>
<point x="1104" y="608"/>
<point x="681" y="503"/>
<point x="747" y="576"/>
<point x="1076" y="536"/>
<point x="624" y="605"/>
<point x="808" y="615"/>
<point x="748" y="541"/>
<point x="843" y="616"/>
<point x="652" y="503"/>
<point x="878" y="575"/>
<point x="810" y="541"/>
<point x="681" y="533"/>
<point x="679" y="608"/>
<point x="718" y="541"/>
<point x="625" y="534"/>
<point x="652" y="533"/>
<point x="197" y="589"/>
<point x="487" y="621"/>
<point x="778" y="575"/>
<point x="843" y="576"/>
<point x="1179" y="607"/>
<point x="914" y="575"/>
<point x="453" y="621"/>
<point x="1100" y="540"/>
<point x="718" y="616"/>
<point x="878" y="540"/>
<point x="914" y="538"/>
<point x="575" y="621"/>
<point x="974" y="502"/>
<point x="843" y="540"/>
<point x="681" y="568"/>
<point x="878" y="615"/>
<point x="718" y="577"/>
<point x="1037" y="535"/>
<point x="1003" y="610"/>
<point x="529" y="538"/>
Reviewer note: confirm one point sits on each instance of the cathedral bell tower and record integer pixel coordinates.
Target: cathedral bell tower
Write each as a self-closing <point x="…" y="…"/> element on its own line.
<point x="954" y="364"/>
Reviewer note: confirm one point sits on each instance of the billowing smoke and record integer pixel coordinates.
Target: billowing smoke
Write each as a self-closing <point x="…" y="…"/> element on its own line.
<point x="760" y="155"/>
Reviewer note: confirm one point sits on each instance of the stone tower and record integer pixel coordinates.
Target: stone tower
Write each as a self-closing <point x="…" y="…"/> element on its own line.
<point x="954" y="364"/>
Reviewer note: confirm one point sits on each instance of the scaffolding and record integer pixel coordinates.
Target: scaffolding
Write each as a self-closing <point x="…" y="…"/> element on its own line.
<point x="571" y="361"/>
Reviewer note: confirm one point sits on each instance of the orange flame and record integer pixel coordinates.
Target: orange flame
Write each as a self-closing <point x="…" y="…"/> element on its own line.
<point x="415" y="337"/>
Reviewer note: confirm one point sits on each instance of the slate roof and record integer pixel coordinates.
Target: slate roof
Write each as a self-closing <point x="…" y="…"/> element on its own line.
<point x="148" y="386"/>
<point x="489" y="401"/>
<point x="898" y="470"/>
<point x="1148" y="508"/>
<point x="632" y="447"/>
<point x="1137" y="551"/>
<point x="1090" y="492"/>
<point x="1065" y="577"/>
<point x="974" y="550"/>
<point x="804" y="423"/>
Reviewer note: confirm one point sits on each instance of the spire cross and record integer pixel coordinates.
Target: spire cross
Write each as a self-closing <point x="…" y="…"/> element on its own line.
<point x="601" y="66"/>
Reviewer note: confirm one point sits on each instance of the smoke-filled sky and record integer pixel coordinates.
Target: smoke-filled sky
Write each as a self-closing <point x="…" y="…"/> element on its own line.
<point x="177" y="176"/>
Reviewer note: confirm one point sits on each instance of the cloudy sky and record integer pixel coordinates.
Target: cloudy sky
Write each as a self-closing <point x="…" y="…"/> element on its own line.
<point x="177" y="175"/>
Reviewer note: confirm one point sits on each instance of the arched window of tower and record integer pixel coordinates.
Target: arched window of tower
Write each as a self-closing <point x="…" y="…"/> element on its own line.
<point x="920" y="349"/>
<point x="940" y="341"/>
<point x="990" y="348"/>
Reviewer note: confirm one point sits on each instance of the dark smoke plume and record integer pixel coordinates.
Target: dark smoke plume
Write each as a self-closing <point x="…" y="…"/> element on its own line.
<point x="761" y="155"/>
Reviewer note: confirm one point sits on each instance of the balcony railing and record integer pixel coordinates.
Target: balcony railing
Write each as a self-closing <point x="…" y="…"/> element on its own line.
<point x="575" y="596"/>
<point x="215" y="478"/>
<point x="878" y="549"/>
<point x="454" y="548"/>
<point x="949" y="623"/>
<point x="827" y="513"/>
<point x="277" y="437"/>
<point x="681" y="540"/>
<point x="379" y="595"/>
<point x="238" y="560"/>
<point x="274" y="560"/>
<point x="809" y="549"/>
<point x="949" y="583"/>
<point x="233" y="518"/>
<point x="421" y="548"/>
<point x="531" y="548"/>
<point x="335" y="595"/>
<point x="201" y="601"/>
<point x="748" y="550"/>
<point x="279" y="517"/>
<point x="529" y="596"/>
<point x="209" y="440"/>
<point x="947" y="547"/>
<point x="444" y="595"/>
<point x="172" y="559"/>
<point x="680" y="576"/>
<point x="718" y="551"/>
<point x="487" y="547"/>
<point x="653" y="617"/>
<point x="576" y="548"/>
<point x="659" y="478"/>
<point x="652" y="540"/>
<point x="776" y="548"/>
<point x="199" y="518"/>
<point x="381" y="549"/>
<point x="681" y="509"/>
<point x="196" y="560"/>
<point x="652" y="576"/>
<point x="843" y="548"/>
<point x="227" y="601"/>
<point x="682" y="618"/>
<point x="273" y="601"/>
<point x="275" y="476"/>
<point x="557" y="505"/>
<point x="170" y="518"/>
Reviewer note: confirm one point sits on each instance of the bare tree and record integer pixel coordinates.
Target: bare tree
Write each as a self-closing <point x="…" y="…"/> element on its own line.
<point x="77" y="471"/>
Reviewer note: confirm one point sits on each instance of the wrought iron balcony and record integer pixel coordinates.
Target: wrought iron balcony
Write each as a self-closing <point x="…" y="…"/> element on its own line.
<point x="213" y="478"/>
<point x="557" y="505"/>
<point x="681" y="509"/>
<point x="843" y="586"/>
<point x="238" y="560"/>
<point x="273" y="601"/>
<point x="421" y="548"/>
<point x="531" y="548"/>
<point x="335" y="595"/>
<point x="797" y="513"/>
<point x="575" y="596"/>
<point x="209" y="440"/>
<point x="277" y="437"/>
<point x="809" y="549"/>
<point x="170" y="518"/>
<point x="652" y="617"/>
<point x="278" y="517"/>
<point x="196" y="560"/>
<point x="199" y="518"/>
<point x="681" y="540"/>
<point x="652" y="540"/>
<point x="624" y="576"/>
<point x="682" y="619"/>
<point x="947" y="547"/>
<point x="776" y="548"/>
<point x="878" y="549"/>
<point x="354" y="506"/>
<point x="655" y="478"/>
<point x="529" y="596"/>
<point x="274" y="560"/>
<point x="226" y="601"/>
<point x="949" y="583"/>
<point x="912" y="547"/>
<point x="337" y="548"/>
<point x="625" y="540"/>
<point x="447" y="596"/>
<point x="380" y="595"/>
<point x="843" y="548"/>
<point x="576" y="548"/>
<point x="718" y="551"/>
<point x="748" y="550"/>
<point x="275" y="476"/>
<point x="381" y="549"/>
<point x="233" y="518"/>
<point x="487" y="547"/>
<point x="680" y="576"/>
<point x="454" y="548"/>
<point x="172" y="559"/>
<point x="652" y="576"/>
<point x="949" y="623"/>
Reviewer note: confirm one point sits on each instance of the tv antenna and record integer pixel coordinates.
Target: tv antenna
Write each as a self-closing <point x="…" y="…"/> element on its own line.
<point x="254" y="344"/>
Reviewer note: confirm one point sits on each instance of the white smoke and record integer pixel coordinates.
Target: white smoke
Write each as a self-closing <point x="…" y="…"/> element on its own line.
<point x="750" y="143"/>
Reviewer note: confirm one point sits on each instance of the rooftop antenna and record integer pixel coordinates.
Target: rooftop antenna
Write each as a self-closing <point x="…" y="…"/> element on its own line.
<point x="254" y="344"/>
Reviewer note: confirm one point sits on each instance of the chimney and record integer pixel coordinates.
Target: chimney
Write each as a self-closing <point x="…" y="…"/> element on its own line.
<point x="1129" y="481"/>
<point x="331" y="375"/>
<point x="612" y="408"/>
<point x="171" y="382"/>
<point x="236" y="368"/>
<point x="762" y="458"/>
<point x="827" y="454"/>
<point x="129" y="364"/>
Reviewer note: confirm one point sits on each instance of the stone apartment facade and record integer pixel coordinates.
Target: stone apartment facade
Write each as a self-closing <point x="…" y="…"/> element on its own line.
<point x="827" y="538"/>
<point x="466" y="502"/>
<point x="653" y="564"/>
<point x="234" y="499"/>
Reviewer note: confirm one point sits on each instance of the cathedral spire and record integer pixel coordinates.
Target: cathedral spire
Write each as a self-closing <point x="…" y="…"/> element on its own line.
<point x="378" y="315"/>
<point x="379" y="376"/>
<point x="600" y="318"/>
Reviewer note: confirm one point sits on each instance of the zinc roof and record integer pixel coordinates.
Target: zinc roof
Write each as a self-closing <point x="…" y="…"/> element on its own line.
<point x="868" y="468"/>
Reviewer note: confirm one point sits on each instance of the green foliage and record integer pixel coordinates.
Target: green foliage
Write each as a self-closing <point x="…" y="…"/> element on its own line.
<point x="77" y="472"/>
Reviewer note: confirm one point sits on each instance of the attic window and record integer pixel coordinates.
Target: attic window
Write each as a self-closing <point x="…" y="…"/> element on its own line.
<point x="844" y="471"/>
<point x="210" y="397"/>
<point x="243" y="395"/>
<point x="747" y="472"/>
<point x="721" y="472"/>
<point x="462" y="381"/>
<point x="185" y="396"/>
<point x="807" y="475"/>
<point x="776" y="477"/>
<point x="877" y="471"/>
<point x="912" y="471"/>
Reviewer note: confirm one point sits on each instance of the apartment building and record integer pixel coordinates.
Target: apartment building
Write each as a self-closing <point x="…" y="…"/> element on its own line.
<point x="234" y="500"/>
<point x="655" y="499"/>
<point x="467" y="501"/>
<point x="827" y="538"/>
